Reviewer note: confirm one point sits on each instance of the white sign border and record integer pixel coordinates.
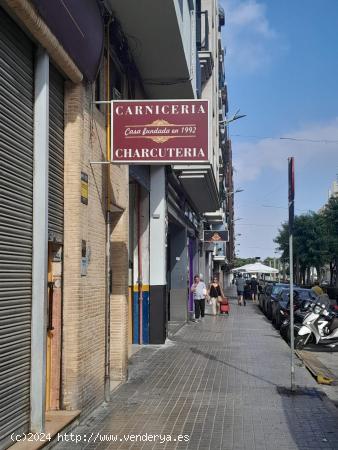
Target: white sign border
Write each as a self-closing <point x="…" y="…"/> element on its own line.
<point x="161" y="162"/>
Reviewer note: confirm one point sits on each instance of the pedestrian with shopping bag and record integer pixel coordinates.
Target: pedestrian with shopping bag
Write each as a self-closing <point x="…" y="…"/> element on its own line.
<point x="215" y="296"/>
<point x="199" y="291"/>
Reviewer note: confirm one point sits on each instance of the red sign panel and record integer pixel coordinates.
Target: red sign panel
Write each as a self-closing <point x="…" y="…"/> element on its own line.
<point x="216" y="236"/>
<point x="160" y="131"/>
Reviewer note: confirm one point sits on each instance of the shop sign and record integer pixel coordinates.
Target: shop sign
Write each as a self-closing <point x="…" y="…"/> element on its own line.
<point x="216" y="236"/>
<point x="160" y="131"/>
<point x="84" y="188"/>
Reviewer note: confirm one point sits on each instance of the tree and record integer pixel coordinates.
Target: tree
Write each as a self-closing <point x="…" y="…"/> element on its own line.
<point x="309" y="243"/>
<point x="239" y="262"/>
<point x="329" y="223"/>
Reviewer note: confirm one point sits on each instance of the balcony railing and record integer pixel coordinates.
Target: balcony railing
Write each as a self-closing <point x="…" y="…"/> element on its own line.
<point x="202" y="31"/>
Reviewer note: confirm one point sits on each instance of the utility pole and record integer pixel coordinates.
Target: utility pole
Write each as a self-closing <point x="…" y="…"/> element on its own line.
<point x="291" y="220"/>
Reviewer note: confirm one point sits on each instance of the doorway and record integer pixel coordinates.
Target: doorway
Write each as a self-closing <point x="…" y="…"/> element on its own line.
<point x="54" y="328"/>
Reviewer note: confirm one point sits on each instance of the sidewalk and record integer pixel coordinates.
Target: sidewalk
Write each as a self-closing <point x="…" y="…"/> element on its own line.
<point x="224" y="383"/>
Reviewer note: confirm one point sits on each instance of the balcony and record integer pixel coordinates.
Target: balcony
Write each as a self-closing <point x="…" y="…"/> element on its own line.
<point x="216" y="218"/>
<point x="164" y="67"/>
<point x="200" y="186"/>
<point x="224" y="96"/>
<point x="204" y="52"/>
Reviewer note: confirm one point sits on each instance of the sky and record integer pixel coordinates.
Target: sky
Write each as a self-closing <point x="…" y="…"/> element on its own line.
<point x="282" y="71"/>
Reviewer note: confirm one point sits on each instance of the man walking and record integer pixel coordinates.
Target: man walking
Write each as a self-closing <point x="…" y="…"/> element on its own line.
<point x="240" y="283"/>
<point x="254" y="290"/>
<point x="199" y="291"/>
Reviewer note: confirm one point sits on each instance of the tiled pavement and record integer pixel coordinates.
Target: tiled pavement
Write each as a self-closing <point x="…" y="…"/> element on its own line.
<point x="224" y="383"/>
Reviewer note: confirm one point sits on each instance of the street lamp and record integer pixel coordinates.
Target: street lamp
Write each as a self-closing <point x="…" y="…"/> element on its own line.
<point x="236" y="116"/>
<point x="233" y="192"/>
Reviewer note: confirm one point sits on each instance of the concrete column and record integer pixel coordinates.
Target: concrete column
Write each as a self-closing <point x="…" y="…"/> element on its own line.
<point x="178" y="274"/>
<point x="40" y="242"/>
<point x="140" y="235"/>
<point x="119" y="296"/>
<point x="158" y="255"/>
<point x="74" y="232"/>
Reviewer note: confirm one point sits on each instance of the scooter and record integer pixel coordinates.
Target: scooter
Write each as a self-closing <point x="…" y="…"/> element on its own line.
<point x="299" y="315"/>
<point x="319" y="324"/>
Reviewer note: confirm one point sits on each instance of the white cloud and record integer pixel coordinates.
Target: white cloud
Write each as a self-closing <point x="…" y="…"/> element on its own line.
<point x="250" y="14"/>
<point x="272" y="153"/>
<point x="248" y="35"/>
<point x="261" y="170"/>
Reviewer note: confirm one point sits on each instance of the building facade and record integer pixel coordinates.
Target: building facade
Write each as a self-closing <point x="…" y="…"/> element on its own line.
<point x="95" y="256"/>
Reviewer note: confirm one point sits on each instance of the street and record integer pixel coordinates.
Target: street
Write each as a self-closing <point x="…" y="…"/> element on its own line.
<point x="224" y="384"/>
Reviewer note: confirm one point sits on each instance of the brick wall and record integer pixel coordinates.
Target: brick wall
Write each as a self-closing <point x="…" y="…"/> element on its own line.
<point x="84" y="296"/>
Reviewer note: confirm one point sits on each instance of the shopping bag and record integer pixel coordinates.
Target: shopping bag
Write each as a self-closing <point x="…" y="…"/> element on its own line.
<point x="224" y="306"/>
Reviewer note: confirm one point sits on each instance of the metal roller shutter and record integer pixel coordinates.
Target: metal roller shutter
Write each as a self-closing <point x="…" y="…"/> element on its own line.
<point x="56" y="159"/>
<point x="16" y="227"/>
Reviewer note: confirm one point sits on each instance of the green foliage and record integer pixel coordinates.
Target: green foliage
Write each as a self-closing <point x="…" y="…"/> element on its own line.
<point x="282" y="240"/>
<point x="329" y="223"/>
<point x="315" y="238"/>
<point x="269" y="261"/>
<point x="242" y="261"/>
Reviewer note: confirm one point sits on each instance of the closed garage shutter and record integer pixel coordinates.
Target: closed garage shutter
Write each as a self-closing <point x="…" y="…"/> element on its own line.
<point x="16" y="207"/>
<point x="56" y="122"/>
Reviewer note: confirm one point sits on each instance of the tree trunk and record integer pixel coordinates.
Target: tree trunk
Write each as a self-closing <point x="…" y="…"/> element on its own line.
<point x="335" y="272"/>
<point x="319" y="274"/>
<point x="308" y="275"/>
<point x="303" y="276"/>
<point x="284" y="271"/>
<point x="297" y="277"/>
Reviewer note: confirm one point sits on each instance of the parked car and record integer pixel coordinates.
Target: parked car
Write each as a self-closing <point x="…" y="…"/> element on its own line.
<point x="276" y="289"/>
<point x="266" y="292"/>
<point x="281" y="304"/>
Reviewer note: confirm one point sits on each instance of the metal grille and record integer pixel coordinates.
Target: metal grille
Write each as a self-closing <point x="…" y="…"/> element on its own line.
<point x="16" y="227"/>
<point x="56" y="156"/>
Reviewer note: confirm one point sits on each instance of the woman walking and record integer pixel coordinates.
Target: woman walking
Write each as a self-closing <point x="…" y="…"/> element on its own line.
<point x="216" y="294"/>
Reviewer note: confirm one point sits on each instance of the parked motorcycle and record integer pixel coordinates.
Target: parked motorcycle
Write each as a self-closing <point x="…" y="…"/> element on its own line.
<point x="321" y="323"/>
<point x="299" y="315"/>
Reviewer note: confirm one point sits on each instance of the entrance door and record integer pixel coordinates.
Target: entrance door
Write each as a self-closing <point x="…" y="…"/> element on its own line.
<point x="54" y="327"/>
<point x="16" y="227"/>
<point x="55" y="238"/>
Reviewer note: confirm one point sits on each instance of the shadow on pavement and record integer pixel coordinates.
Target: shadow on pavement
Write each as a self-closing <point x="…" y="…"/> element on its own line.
<point x="320" y="349"/>
<point x="213" y="358"/>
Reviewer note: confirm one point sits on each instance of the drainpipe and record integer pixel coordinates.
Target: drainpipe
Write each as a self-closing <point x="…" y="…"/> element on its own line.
<point x="139" y="255"/>
<point x="108" y="228"/>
